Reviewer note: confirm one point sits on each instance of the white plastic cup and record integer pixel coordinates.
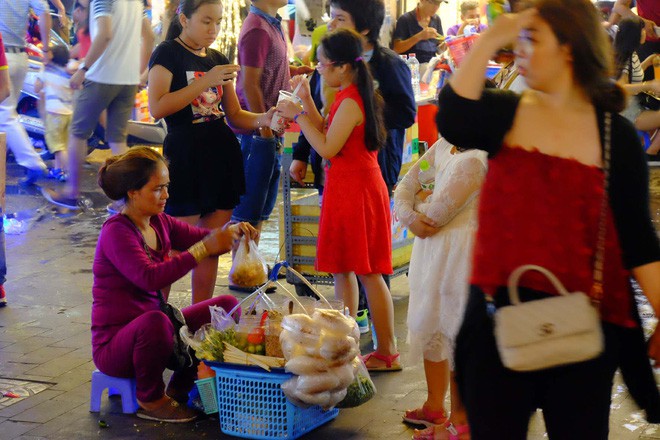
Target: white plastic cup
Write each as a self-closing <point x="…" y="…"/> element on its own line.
<point x="279" y="123"/>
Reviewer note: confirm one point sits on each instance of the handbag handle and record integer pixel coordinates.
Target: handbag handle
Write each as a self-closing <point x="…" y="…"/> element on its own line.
<point x="514" y="296"/>
<point x="596" y="293"/>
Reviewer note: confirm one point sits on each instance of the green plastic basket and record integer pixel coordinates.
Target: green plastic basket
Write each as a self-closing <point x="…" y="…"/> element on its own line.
<point x="208" y="394"/>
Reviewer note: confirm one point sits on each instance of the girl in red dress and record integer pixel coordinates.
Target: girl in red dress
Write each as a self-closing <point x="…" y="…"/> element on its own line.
<point x="354" y="229"/>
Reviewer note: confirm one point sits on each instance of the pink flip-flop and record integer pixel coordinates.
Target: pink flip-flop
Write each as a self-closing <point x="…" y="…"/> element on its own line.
<point x="391" y="362"/>
<point x="426" y="417"/>
<point x="454" y="431"/>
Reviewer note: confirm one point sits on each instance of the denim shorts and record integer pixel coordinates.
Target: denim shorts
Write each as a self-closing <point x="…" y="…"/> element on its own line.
<point x="262" y="163"/>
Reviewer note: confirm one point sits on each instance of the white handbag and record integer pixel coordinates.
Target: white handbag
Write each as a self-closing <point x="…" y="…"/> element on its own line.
<point x="559" y="330"/>
<point x="548" y="332"/>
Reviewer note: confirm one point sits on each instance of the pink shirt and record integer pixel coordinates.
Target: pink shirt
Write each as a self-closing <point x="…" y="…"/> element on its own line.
<point x="85" y="41"/>
<point x="126" y="279"/>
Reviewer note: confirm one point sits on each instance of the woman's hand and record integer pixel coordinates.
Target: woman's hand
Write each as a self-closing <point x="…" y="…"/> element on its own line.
<point x="222" y="74"/>
<point x="304" y="91"/>
<point x="288" y="109"/>
<point x="423" y="226"/>
<point x="241" y="229"/>
<point x="507" y="27"/>
<point x="221" y="240"/>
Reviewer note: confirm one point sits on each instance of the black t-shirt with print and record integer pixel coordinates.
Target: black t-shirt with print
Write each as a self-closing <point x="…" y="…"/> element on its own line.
<point x="185" y="67"/>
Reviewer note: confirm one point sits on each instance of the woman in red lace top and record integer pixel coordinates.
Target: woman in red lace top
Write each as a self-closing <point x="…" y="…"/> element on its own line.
<point x="540" y="204"/>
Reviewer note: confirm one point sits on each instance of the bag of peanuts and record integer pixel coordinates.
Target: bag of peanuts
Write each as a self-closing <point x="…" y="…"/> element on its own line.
<point x="249" y="270"/>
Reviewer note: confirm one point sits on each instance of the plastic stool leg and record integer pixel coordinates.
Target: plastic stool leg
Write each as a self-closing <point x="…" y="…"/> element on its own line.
<point x="95" y="395"/>
<point x="129" y="403"/>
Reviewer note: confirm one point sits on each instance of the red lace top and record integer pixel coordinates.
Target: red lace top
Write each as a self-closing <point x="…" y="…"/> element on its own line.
<point x="544" y="210"/>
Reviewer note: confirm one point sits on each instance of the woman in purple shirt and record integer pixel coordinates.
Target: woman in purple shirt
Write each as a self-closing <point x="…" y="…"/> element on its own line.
<point x="131" y="337"/>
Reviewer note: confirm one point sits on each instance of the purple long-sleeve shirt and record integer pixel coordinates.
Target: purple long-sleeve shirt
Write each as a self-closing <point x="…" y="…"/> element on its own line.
<point x="126" y="279"/>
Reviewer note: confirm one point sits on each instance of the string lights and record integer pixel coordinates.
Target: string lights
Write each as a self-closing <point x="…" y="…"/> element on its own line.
<point x="230" y="28"/>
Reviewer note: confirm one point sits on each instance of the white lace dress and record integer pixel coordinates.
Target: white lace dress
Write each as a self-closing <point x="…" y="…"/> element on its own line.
<point x="440" y="264"/>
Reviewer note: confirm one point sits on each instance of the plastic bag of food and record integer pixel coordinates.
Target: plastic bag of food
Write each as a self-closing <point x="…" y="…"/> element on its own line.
<point x="300" y="324"/>
<point x="249" y="267"/>
<point x="302" y="365"/>
<point x="273" y="331"/>
<point x="338" y="350"/>
<point x="220" y="319"/>
<point x="208" y="342"/>
<point x="333" y="321"/>
<point x="326" y="399"/>
<point x="361" y="390"/>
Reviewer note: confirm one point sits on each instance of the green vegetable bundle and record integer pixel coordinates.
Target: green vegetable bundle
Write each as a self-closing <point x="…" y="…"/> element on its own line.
<point x="360" y="391"/>
<point x="212" y="346"/>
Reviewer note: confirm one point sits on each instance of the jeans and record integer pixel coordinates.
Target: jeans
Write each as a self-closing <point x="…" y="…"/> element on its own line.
<point x="262" y="164"/>
<point x="17" y="138"/>
<point x="142" y="348"/>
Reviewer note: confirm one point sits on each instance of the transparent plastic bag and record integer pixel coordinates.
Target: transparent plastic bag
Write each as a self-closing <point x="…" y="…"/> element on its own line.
<point x="208" y="342"/>
<point x="249" y="268"/>
<point x="361" y="390"/>
<point x="220" y="319"/>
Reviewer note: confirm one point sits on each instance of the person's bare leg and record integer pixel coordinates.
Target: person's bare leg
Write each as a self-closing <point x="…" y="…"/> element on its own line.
<point x="77" y="151"/>
<point x="381" y="310"/>
<point x="437" y="383"/>
<point x="458" y="411"/>
<point x="118" y="147"/>
<point x="61" y="160"/>
<point x="205" y="274"/>
<point x="346" y="289"/>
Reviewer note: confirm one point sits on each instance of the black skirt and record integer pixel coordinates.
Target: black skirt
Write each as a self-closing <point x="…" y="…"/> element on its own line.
<point x="206" y="169"/>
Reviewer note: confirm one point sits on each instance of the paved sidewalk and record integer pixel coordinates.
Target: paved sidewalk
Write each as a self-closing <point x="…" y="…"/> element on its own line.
<point x="45" y="338"/>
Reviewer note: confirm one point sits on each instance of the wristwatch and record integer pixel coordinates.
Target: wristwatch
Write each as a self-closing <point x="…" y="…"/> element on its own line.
<point x="83" y="67"/>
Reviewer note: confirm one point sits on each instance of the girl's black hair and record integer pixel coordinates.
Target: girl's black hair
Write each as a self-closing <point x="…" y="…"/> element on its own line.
<point x="344" y="46"/>
<point x="60" y="55"/>
<point x="187" y="8"/>
<point x="627" y="40"/>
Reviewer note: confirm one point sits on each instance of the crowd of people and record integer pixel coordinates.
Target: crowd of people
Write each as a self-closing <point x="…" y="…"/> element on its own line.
<point x="554" y="176"/>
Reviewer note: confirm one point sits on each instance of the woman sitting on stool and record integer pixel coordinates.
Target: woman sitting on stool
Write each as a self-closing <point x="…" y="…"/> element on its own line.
<point x="131" y="337"/>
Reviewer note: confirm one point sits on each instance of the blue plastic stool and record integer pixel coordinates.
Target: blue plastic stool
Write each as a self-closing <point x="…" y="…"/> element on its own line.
<point x="115" y="385"/>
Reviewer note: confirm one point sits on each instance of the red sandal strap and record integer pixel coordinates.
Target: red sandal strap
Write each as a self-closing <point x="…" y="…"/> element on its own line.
<point x="381" y="357"/>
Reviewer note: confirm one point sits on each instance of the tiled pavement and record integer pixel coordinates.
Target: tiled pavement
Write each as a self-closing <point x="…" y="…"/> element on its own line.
<point x="45" y="337"/>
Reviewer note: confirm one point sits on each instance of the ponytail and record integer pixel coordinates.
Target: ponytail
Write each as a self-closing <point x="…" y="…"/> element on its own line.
<point x="608" y="96"/>
<point x="375" y="133"/>
<point x="344" y="46"/>
<point x="175" y="28"/>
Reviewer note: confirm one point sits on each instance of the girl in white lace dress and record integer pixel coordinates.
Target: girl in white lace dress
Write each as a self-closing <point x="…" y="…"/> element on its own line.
<point x="444" y="224"/>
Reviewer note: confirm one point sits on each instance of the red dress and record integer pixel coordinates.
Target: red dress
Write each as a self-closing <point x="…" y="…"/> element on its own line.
<point x="355" y="225"/>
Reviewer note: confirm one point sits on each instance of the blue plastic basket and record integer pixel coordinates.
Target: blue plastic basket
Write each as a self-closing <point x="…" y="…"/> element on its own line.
<point x="251" y="404"/>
